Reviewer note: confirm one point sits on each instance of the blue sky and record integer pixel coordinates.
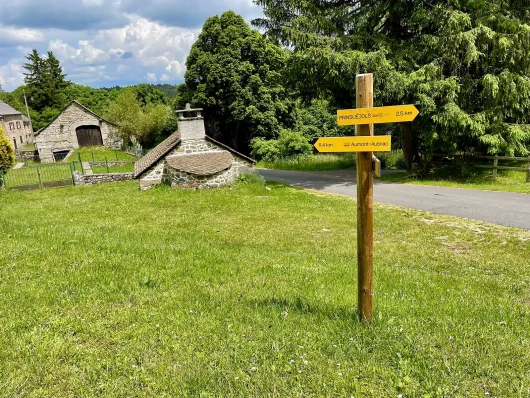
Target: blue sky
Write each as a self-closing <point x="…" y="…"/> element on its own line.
<point x="102" y="43"/>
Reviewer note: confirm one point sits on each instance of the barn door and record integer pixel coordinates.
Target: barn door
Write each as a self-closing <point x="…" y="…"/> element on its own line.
<point x="89" y="136"/>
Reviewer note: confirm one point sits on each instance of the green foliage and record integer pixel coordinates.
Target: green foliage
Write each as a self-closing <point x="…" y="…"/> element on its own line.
<point x="170" y="90"/>
<point x="316" y="119"/>
<point x="318" y="162"/>
<point x="251" y="178"/>
<point x="288" y="145"/>
<point x="235" y="74"/>
<point x="464" y="63"/>
<point x="7" y="152"/>
<point x="97" y="100"/>
<point x="45" y="81"/>
<point x="136" y="123"/>
<point x="392" y="160"/>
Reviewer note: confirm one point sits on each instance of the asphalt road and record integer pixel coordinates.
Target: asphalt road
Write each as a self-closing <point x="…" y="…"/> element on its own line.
<point x="503" y="208"/>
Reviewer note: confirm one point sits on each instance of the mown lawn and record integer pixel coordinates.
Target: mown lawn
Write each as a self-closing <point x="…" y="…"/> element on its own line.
<point x="99" y="153"/>
<point x="126" y="168"/>
<point x="249" y="292"/>
<point x="508" y="181"/>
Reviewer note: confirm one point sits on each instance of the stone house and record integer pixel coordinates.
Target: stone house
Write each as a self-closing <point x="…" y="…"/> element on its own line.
<point x="16" y="126"/>
<point x="76" y="126"/>
<point x="190" y="159"/>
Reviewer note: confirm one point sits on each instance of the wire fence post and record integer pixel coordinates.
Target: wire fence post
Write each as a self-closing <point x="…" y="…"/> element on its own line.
<point x="40" y="179"/>
<point x="116" y="152"/>
<point x="528" y="170"/>
<point x="2" y="179"/>
<point x="80" y="162"/>
<point x="93" y="156"/>
<point x="107" y="163"/>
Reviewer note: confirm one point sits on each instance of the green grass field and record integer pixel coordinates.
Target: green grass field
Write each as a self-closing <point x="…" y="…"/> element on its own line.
<point x="509" y="181"/>
<point x="126" y="168"/>
<point x="251" y="292"/>
<point x="99" y="153"/>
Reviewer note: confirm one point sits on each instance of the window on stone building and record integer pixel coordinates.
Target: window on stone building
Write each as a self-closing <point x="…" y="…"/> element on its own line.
<point x="11" y="126"/>
<point x="18" y="125"/>
<point x="15" y="142"/>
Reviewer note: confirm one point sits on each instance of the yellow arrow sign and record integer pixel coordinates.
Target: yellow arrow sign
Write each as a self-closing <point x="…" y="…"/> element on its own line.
<point x="385" y="114"/>
<point x="379" y="143"/>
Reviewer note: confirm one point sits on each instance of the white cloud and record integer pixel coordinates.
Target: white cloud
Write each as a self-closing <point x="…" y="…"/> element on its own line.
<point x="10" y="35"/>
<point x="145" y="48"/>
<point x="11" y="74"/>
<point x="92" y="3"/>
<point x="151" y="77"/>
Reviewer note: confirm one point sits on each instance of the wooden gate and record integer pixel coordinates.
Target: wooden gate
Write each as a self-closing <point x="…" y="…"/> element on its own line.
<point x="89" y="136"/>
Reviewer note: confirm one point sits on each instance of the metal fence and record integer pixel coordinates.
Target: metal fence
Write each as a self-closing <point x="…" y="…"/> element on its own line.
<point x="43" y="176"/>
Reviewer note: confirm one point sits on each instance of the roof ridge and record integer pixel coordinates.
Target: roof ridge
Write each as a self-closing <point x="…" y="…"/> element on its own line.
<point x="155" y="154"/>
<point x="65" y="108"/>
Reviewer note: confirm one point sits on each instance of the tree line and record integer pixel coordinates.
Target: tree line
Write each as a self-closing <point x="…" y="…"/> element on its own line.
<point x="463" y="63"/>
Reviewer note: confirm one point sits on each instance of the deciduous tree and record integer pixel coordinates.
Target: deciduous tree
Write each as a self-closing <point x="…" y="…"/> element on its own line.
<point x="7" y="152"/>
<point x="235" y="74"/>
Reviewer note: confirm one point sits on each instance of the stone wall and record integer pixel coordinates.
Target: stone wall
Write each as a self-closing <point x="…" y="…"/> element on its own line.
<point x="185" y="180"/>
<point x="81" y="179"/>
<point x="61" y="134"/>
<point x="192" y="128"/>
<point x="154" y="176"/>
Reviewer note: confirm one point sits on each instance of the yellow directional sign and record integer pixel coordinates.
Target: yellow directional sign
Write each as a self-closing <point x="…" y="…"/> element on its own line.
<point x="385" y="114"/>
<point x="378" y="143"/>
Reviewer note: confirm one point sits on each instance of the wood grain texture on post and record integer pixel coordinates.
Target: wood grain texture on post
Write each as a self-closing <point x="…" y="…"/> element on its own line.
<point x="365" y="213"/>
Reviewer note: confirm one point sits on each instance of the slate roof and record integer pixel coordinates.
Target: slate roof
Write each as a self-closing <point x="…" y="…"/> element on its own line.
<point x="157" y="153"/>
<point x="202" y="163"/>
<point x="67" y="106"/>
<point x="7" y="110"/>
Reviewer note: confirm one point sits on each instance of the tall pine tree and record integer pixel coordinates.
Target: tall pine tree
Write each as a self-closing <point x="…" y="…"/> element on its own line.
<point x="463" y="62"/>
<point x="45" y="81"/>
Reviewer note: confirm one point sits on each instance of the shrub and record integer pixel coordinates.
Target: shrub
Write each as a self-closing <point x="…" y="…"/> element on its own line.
<point x="267" y="150"/>
<point x="251" y="178"/>
<point x="7" y="152"/>
<point x="392" y="160"/>
<point x="289" y="145"/>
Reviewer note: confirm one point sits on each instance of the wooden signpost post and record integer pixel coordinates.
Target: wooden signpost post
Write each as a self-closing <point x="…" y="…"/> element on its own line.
<point x="364" y="143"/>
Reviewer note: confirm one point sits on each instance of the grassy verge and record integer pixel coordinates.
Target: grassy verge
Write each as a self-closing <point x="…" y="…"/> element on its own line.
<point x="509" y="181"/>
<point x="312" y="163"/>
<point x="325" y="162"/>
<point x="127" y="168"/>
<point x="250" y="292"/>
<point x="99" y="153"/>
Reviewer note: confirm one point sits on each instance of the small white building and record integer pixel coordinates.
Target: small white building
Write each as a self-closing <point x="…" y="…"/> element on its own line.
<point x="16" y="126"/>
<point x="76" y="126"/>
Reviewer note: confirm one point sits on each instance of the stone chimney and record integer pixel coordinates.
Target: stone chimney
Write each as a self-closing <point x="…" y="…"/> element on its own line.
<point x="191" y="124"/>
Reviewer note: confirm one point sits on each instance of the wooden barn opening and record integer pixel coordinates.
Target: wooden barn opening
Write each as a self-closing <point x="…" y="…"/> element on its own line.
<point x="89" y="136"/>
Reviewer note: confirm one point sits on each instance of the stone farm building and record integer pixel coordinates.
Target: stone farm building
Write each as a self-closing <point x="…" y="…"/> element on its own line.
<point x="16" y="126"/>
<point x="76" y="126"/>
<point x="190" y="159"/>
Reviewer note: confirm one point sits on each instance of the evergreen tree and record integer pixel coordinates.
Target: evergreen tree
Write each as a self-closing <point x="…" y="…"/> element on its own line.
<point x="45" y="82"/>
<point x="463" y="62"/>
